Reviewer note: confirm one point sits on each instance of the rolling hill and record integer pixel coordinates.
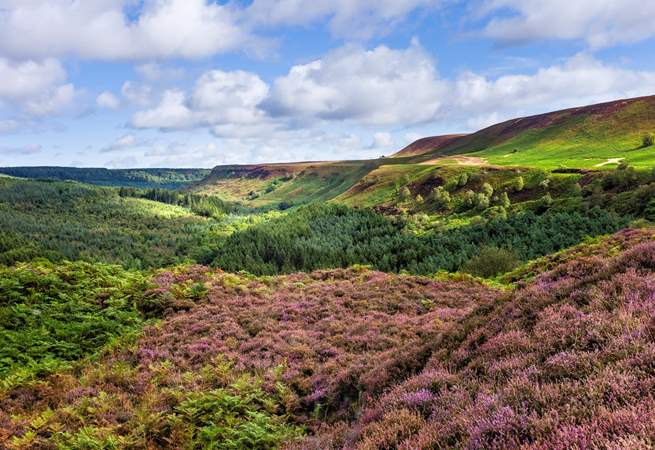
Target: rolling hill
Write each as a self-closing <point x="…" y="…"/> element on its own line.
<point x="589" y="138"/>
<point x="584" y="137"/>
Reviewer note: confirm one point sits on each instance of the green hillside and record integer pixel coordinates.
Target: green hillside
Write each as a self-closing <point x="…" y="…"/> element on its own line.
<point x="592" y="139"/>
<point x="293" y="184"/>
<point x="586" y="137"/>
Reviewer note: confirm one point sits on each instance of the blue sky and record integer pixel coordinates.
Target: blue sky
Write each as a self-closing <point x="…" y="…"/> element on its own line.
<point x="196" y="83"/>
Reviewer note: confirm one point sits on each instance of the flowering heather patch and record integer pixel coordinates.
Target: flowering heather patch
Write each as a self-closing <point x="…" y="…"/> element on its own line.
<point x="566" y="361"/>
<point x="248" y="362"/>
<point x="604" y="246"/>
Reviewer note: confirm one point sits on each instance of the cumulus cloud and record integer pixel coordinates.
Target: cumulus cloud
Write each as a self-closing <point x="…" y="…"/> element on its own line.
<point x="382" y="86"/>
<point x="124" y="143"/>
<point x="580" y="80"/>
<point x="382" y="140"/>
<point x="139" y="94"/>
<point x="108" y="100"/>
<point x="601" y="23"/>
<point x="37" y="87"/>
<point x="222" y="100"/>
<point x="101" y="29"/>
<point x="171" y="113"/>
<point x="362" y="90"/>
<point x="347" y="18"/>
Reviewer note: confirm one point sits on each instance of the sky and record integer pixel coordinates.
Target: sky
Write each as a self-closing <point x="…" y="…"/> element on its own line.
<point x="198" y="83"/>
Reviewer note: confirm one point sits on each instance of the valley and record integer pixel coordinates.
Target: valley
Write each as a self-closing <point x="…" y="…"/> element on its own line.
<point x="487" y="290"/>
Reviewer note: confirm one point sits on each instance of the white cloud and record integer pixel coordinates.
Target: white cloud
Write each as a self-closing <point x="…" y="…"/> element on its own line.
<point x="382" y="86"/>
<point x="37" y="87"/>
<point x="29" y="78"/>
<point x="382" y="140"/>
<point x="100" y="29"/>
<point x="350" y="91"/>
<point x="578" y="81"/>
<point x="138" y="94"/>
<point x="230" y="97"/>
<point x="226" y="101"/>
<point x="601" y="23"/>
<point x="125" y="143"/>
<point x="347" y="18"/>
<point x="171" y="113"/>
<point x="108" y="100"/>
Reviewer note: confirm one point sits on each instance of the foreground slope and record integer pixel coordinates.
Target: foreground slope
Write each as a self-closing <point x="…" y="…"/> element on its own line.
<point x="357" y="359"/>
<point x="566" y="361"/>
<point x="241" y="362"/>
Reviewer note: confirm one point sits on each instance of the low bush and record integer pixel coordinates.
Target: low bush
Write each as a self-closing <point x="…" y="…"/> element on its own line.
<point x="491" y="261"/>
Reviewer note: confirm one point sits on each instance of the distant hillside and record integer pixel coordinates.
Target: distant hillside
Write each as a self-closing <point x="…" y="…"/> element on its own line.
<point x="285" y="184"/>
<point x="597" y="137"/>
<point x="169" y="178"/>
<point x="428" y="144"/>
<point x="583" y="137"/>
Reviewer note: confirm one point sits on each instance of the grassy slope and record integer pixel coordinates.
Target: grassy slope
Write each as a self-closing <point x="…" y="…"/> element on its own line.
<point x="592" y="137"/>
<point x="298" y="183"/>
<point x="576" y="138"/>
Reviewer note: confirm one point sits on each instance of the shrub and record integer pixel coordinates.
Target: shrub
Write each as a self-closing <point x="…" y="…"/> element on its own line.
<point x="545" y="202"/>
<point x="490" y="262"/>
<point x="649" y="212"/>
<point x="441" y="198"/>
<point x="648" y="140"/>
<point x="51" y="315"/>
<point x="504" y="201"/>
<point x="519" y="184"/>
<point x="481" y="201"/>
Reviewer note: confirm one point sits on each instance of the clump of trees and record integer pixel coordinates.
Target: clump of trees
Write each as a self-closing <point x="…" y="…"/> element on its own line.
<point x="491" y="261"/>
<point x="328" y="236"/>
<point x="441" y="198"/>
